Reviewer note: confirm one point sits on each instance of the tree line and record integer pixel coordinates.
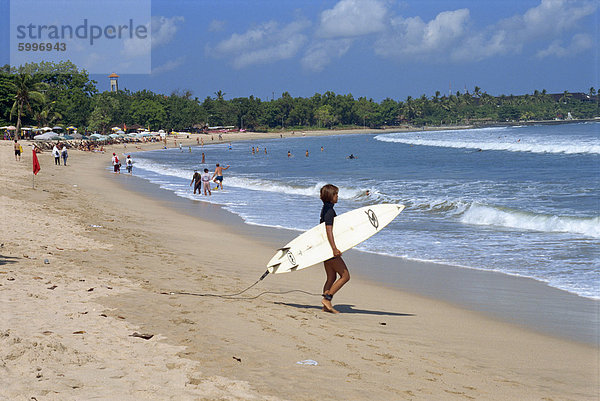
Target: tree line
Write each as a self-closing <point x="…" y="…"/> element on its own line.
<point x="46" y="94"/>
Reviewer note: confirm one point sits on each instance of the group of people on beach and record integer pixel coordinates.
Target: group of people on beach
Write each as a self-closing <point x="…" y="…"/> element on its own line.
<point x="201" y="182"/>
<point x="60" y="150"/>
<point x="117" y="164"/>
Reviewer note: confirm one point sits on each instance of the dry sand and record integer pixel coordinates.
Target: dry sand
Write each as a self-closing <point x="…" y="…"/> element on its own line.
<point x="83" y="262"/>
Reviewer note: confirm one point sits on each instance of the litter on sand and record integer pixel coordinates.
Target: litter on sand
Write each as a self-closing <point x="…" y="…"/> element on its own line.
<point x="308" y="362"/>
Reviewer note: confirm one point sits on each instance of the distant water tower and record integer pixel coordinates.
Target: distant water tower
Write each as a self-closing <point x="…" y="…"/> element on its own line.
<point x="114" y="82"/>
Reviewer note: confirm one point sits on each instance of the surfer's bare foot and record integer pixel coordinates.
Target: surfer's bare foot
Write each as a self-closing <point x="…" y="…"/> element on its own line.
<point x="327" y="307"/>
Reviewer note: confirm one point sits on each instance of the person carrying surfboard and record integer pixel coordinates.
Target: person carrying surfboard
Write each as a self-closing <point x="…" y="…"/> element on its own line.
<point x="336" y="265"/>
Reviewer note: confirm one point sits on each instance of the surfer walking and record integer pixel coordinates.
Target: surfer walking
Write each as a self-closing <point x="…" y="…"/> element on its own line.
<point x="336" y="265"/>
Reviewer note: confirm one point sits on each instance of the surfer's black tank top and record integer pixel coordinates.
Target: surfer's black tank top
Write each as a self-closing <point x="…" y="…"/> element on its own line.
<point x="327" y="214"/>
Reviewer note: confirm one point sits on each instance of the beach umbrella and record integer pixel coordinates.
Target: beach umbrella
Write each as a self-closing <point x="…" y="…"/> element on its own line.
<point x="72" y="128"/>
<point x="26" y="129"/>
<point x="57" y="128"/>
<point x="11" y="127"/>
<point x="77" y="136"/>
<point x="116" y="128"/>
<point x="46" y="136"/>
<point x="46" y="129"/>
<point x="66" y="137"/>
<point x="113" y="135"/>
<point x="120" y="131"/>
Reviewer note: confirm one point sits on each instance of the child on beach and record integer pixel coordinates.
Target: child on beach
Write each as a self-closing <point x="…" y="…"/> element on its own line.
<point x="129" y="164"/>
<point x="206" y="182"/>
<point x="336" y="265"/>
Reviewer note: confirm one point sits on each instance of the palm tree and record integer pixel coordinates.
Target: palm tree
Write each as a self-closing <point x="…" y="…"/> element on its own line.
<point x="25" y="89"/>
<point x="220" y="95"/>
<point x="46" y="115"/>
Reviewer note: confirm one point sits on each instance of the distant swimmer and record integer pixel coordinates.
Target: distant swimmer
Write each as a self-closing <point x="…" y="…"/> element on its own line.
<point x="289" y="154"/>
<point x="306" y="152"/>
<point x="352" y="156"/>
<point x="203" y="158"/>
<point x="321" y="148"/>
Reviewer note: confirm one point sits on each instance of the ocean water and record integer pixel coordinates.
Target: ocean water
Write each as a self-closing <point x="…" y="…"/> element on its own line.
<point x="517" y="200"/>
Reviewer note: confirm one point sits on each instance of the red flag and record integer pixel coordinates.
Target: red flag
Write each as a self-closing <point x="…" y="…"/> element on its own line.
<point x="36" y="164"/>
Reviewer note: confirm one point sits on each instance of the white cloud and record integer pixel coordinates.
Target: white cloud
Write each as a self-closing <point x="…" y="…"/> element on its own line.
<point x="320" y="54"/>
<point x="161" y="30"/>
<point x="263" y="44"/>
<point x="414" y="37"/>
<point x="579" y="43"/>
<point x="546" y="21"/>
<point x="164" y="29"/>
<point x="350" y="18"/>
<point x="169" y="65"/>
<point x="449" y="36"/>
<point x="555" y="16"/>
<point x="216" y="25"/>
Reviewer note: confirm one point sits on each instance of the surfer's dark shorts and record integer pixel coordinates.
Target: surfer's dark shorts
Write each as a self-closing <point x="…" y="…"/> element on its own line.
<point x="219" y="178"/>
<point x="17" y="152"/>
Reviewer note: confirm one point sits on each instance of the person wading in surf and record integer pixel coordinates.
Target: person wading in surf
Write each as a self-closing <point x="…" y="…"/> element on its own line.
<point x="336" y="265"/>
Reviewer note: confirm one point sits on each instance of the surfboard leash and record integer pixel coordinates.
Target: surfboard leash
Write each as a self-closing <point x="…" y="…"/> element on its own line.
<point x="237" y="294"/>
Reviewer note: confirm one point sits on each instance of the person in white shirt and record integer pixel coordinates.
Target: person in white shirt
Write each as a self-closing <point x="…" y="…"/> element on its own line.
<point x="205" y="178"/>
<point x="56" y="154"/>
<point x="116" y="163"/>
<point x="129" y="164"/>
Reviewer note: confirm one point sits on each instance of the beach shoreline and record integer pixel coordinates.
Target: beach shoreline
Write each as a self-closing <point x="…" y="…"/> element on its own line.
<point x="112" y="251"/>
<point x="506" y="297"/>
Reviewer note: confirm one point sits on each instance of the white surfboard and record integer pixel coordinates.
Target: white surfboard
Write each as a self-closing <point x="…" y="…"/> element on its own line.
<point x="349" y="230"/>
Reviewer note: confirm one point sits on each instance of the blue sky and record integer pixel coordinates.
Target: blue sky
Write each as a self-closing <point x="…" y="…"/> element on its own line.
<point x="371" y="48"/>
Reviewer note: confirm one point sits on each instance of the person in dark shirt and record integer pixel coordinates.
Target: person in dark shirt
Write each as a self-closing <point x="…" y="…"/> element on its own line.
<point x="336" y="265"/>
<point x="196" y="180"/>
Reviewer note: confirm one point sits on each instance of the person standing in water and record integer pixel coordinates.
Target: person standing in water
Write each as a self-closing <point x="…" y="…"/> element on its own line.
<point x="196" y="180"/>
<point x="218" y="175"/>
<point x="205" y="177"/>
<point x="336" y="265"/>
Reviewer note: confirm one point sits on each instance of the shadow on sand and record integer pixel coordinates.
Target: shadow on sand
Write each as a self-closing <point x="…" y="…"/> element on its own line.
<point x="345" y="308"/>
<point x="4" y="260"/>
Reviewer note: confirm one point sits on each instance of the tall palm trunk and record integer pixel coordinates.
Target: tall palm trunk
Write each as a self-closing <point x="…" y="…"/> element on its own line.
<point x="18" y="130"/>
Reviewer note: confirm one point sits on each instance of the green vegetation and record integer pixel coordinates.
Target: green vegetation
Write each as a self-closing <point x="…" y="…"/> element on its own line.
<point x="60" y="93"/>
